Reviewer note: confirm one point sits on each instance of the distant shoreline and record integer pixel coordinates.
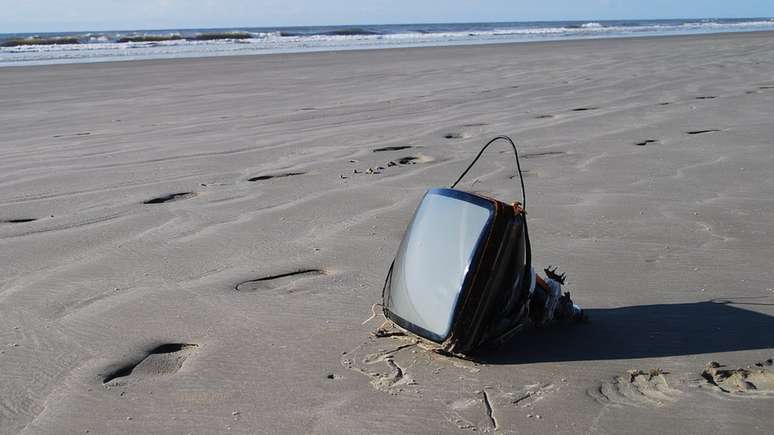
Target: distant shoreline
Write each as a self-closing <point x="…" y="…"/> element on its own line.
<point x="551" y="42"/>
<point x="361" y="25"/>
<point x="102" y="46"/>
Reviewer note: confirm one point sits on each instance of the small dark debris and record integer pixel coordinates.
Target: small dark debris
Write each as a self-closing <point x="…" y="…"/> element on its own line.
<point x="708" y="97"/>
<point x="18" y="221"/>
<point x="452" y="136"/>
<point x="702" y="131"/>
<point x="395" y="148"/>
<point x="645" y="142"/>
<point x="544" y="116"/>
<point x="542" y="154"/>
<point x="583" y="109"/>
<point x="171" y="197"/>
<point x="382" y="333"/>
<point x="85" y="133"/>
<point x="269" y="177"/>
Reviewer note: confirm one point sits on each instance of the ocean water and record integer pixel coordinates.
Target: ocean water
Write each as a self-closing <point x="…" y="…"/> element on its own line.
<point x="80" y="47"/>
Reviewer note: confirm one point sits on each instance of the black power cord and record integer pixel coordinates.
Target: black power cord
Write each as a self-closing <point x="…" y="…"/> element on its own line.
<point x="518" y="166"/>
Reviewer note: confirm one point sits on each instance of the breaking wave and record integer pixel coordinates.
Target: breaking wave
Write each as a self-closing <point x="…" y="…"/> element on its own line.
<point x="18" y="49"/>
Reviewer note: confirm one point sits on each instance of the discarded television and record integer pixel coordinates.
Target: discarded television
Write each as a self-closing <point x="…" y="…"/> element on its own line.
<point x="462" y="277"/>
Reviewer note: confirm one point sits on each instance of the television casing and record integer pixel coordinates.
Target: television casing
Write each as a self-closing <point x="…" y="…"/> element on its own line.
<point x="492" y="303"/>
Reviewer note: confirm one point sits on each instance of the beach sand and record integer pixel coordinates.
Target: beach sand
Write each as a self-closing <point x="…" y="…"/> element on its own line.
<point x="192" y="246"/>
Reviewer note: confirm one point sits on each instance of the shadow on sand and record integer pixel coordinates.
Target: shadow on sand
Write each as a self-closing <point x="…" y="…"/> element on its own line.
<point x="645" y="331"/>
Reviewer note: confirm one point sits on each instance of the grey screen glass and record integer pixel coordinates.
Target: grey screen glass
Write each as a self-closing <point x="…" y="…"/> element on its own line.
<point x="434" y="259"/>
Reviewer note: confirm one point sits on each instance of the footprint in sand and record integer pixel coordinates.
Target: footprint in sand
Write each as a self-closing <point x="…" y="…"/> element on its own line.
<point x="482" y="411"/>
<point x="269" y="177"/>
<point x="760" y="88"/>
<point x="399" y="365"/>
<point x="381" y="368"/>
<point x="393" y="148"/>
<point x="280" y="281"/>
<point x="17" y="221"/>
<point x="757" y="380"/>
<point x="170" y="198"/>
<point x="636" y="388"/>
<point x="541" y="154"/>
<point x="408" y="160"/>
<point x="165" y="359"/>
<point x="475" y="413"/>
<point x="85" y="133"/>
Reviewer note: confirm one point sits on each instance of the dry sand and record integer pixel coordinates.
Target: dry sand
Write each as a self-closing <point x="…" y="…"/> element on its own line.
<point x="159" y="290"/>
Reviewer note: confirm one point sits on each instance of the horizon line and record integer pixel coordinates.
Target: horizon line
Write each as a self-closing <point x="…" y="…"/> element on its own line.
<point x="589" y="20"/>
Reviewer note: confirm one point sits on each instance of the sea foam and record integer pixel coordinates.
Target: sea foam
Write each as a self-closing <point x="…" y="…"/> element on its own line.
<point x="19" y="49"/>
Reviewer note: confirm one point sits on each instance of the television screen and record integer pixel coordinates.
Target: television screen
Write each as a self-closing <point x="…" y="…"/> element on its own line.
<point x="433" y="261"/>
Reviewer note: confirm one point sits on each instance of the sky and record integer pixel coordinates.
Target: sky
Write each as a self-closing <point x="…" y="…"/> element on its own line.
<point x="17" y="16"/>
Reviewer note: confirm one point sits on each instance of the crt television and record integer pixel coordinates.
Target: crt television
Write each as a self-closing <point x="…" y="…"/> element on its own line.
<point x="462" y="274"/>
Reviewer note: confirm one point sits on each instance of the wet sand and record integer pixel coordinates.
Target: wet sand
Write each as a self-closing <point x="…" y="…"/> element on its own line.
<point x="191" y="246"/>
